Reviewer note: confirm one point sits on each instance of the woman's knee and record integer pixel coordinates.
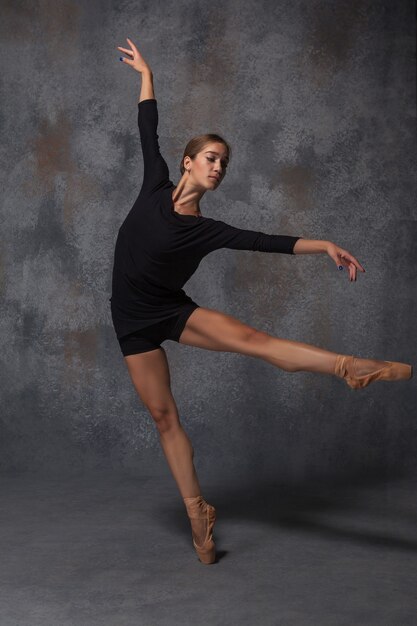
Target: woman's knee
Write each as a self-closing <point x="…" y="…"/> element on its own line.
<point x="165" y="417"/>
<point x="257" y="343"/>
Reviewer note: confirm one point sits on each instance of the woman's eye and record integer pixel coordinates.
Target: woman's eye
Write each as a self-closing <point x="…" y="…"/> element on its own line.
<point x="212" y="159"/>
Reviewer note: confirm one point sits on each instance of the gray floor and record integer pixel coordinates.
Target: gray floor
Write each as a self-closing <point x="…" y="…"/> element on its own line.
<point x="114" y="548"/>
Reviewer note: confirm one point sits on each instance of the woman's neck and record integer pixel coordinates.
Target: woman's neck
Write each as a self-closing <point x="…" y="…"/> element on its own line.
<point x="185" y="199"/>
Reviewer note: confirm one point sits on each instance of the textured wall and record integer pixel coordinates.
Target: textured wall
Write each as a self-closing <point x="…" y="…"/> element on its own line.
<point x="318" y="101"/>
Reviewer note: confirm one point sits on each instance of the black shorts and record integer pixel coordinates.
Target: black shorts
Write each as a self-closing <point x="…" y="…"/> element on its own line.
<point x="151" y="337"/>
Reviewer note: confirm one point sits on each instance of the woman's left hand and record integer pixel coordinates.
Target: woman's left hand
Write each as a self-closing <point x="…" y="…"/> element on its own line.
<point x="343" y="258"/>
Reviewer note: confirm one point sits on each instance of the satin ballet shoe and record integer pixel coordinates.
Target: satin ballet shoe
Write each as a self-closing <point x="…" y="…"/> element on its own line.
<point x="345" y="368"/>
<point x="197" y="508"/>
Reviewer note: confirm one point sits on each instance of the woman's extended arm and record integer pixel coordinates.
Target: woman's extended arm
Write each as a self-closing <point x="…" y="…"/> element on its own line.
<point x="341" y="257"/>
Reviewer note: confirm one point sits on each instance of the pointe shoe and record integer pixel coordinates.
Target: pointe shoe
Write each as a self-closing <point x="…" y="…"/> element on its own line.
<point x="345" y="368"/>
<point x="197" y="508"/>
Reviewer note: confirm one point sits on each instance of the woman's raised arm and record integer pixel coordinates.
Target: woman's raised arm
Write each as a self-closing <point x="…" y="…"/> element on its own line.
<point x="139" y="64"/>
<point x="155" y="169"/>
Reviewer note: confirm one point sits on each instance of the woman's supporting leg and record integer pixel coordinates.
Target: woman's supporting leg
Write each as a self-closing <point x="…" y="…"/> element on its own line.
<point x="213" y="330"/>
<point x="150" y="375"/>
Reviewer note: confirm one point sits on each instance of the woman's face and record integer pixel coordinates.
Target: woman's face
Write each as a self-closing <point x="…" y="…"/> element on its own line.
<point x="209" y="166"/>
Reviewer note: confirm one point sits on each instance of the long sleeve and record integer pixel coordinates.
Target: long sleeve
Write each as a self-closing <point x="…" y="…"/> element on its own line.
<point x="217" y="234"/>
<point x="155" y="169"/>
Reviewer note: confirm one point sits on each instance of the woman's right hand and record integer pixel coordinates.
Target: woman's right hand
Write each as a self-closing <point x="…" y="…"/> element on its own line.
<point x="136" y="60"/>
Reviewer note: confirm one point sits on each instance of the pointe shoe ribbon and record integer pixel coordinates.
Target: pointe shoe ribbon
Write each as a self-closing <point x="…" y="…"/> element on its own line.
<point x="197" y="508"/>
<point x="392" y="370"/>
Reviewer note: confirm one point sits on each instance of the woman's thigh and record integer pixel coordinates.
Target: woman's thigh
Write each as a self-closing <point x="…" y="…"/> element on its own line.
<point x="213" y="330"/>
<point x="150" y="376"/>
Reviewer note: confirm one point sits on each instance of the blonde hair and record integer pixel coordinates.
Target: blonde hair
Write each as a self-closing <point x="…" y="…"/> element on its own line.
<point x="197" y="144"/>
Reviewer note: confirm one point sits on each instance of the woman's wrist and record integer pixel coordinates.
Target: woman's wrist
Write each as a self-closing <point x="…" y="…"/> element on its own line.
<point x="147" y="90"/>
<point x="311" y="246"/>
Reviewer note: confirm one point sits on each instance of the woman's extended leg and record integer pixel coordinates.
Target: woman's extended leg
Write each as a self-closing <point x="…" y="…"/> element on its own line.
<point x="213" y="330"/>
<point x="150" y="375"/>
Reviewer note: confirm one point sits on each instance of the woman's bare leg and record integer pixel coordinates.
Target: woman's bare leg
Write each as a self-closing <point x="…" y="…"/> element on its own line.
<point x="213" y="330"/>
<point x="150" y="375"/>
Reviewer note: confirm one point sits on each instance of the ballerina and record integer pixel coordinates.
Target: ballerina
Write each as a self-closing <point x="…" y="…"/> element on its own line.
<point x="159" y="246"/>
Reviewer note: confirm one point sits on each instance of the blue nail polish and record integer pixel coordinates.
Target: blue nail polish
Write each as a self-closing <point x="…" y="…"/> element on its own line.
<point x="340" y="267"/>
<point x="121" y="58"/>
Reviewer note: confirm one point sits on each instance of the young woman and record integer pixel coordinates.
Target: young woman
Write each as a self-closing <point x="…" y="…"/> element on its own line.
<point x="159" y="246"/>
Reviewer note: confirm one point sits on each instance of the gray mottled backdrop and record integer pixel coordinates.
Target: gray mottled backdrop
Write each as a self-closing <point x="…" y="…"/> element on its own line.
<point x="317" y="99"/>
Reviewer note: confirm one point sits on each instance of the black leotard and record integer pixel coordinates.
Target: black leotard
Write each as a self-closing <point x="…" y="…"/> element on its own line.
<point x="158" y="249"/>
